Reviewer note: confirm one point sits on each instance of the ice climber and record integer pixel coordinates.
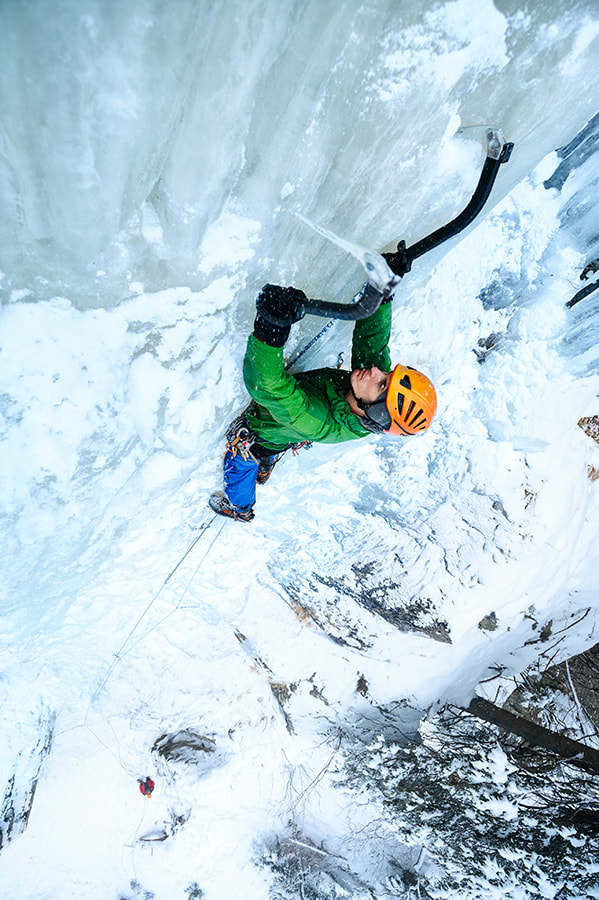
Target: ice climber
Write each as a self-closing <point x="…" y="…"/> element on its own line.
<point x="324" y="405"/>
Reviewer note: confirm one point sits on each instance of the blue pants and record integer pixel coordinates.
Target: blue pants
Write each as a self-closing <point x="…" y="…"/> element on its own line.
<point x="239" y="476"/>
<point x="240" y="480"/>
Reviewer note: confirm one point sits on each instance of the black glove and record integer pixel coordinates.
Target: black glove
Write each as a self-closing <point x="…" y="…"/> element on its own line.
<point x="277" y="309"/>
<point x="399" y="262"/>
<point x="281" y="306"/>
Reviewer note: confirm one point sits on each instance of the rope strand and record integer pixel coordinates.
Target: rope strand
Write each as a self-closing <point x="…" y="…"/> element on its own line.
<point x="121" y="652"/>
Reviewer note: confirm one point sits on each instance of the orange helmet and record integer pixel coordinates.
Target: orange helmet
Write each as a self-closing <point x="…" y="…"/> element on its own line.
<point x="407" y="407"/>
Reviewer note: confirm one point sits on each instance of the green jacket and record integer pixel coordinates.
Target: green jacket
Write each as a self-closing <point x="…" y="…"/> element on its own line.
<point x="311" y="406"/>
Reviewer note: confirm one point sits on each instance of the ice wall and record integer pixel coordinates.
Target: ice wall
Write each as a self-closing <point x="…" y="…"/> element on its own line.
<point x="126" y="130"/>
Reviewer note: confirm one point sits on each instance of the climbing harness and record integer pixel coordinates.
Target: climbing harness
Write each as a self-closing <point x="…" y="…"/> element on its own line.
<point x="240" y="439"/>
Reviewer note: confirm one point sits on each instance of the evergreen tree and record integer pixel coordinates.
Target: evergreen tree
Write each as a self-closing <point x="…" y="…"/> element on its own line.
<point x="497" y="819"/>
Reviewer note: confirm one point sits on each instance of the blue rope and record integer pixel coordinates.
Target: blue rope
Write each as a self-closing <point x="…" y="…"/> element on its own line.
<point x="310" y="344"/>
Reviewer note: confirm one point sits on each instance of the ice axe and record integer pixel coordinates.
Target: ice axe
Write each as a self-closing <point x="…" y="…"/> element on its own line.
<point x="385" y="270"/>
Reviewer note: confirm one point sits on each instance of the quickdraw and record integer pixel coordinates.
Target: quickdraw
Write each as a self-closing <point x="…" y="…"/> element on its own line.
<point x="303" y="445"/>
<point x="240" y="439"/>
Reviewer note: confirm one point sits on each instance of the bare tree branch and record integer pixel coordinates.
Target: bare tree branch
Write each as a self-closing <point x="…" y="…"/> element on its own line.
<point x="535" y="734"/>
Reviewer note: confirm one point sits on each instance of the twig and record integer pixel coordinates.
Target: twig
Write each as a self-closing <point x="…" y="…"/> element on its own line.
<point x="575" y="695"/>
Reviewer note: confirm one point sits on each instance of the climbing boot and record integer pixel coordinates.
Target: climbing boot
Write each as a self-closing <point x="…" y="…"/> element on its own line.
<point x="265" y="468"/>
<point x="219" y="504"/>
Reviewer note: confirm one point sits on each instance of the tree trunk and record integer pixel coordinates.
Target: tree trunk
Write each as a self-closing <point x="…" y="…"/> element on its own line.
<point x="535" y="734"/>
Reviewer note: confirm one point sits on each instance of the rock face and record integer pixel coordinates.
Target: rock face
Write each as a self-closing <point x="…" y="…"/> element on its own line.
<point x="590" y="426"/>
<point x="186" y="747"/>
<point x="20" y="790"/>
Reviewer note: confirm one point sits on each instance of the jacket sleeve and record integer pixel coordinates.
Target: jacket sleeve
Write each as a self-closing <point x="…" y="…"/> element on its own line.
<point x="370" y="345"/>
<point x="270" y="385"/>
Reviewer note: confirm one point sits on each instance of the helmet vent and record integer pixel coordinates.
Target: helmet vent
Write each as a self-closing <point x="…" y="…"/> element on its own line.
<point x="400" y="400"/>
<point x="416" y="420"/>
<point x="405" y="382"/>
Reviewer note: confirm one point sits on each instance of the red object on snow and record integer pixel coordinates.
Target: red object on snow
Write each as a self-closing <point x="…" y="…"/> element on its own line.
<point x="146" y="787"/>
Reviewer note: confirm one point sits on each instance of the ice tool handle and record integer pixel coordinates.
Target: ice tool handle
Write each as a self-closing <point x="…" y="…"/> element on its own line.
<point x="385" y="271"/>
<point x="498" y="152"/>
<point x="381" y="281"/>
<point x="366" y="303"/>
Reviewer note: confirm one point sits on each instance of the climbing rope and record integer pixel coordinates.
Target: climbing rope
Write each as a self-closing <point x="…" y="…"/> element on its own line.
<point x="310" y="344"/>
<point x="146" y="785"/>
<point x="124" y="649"/>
